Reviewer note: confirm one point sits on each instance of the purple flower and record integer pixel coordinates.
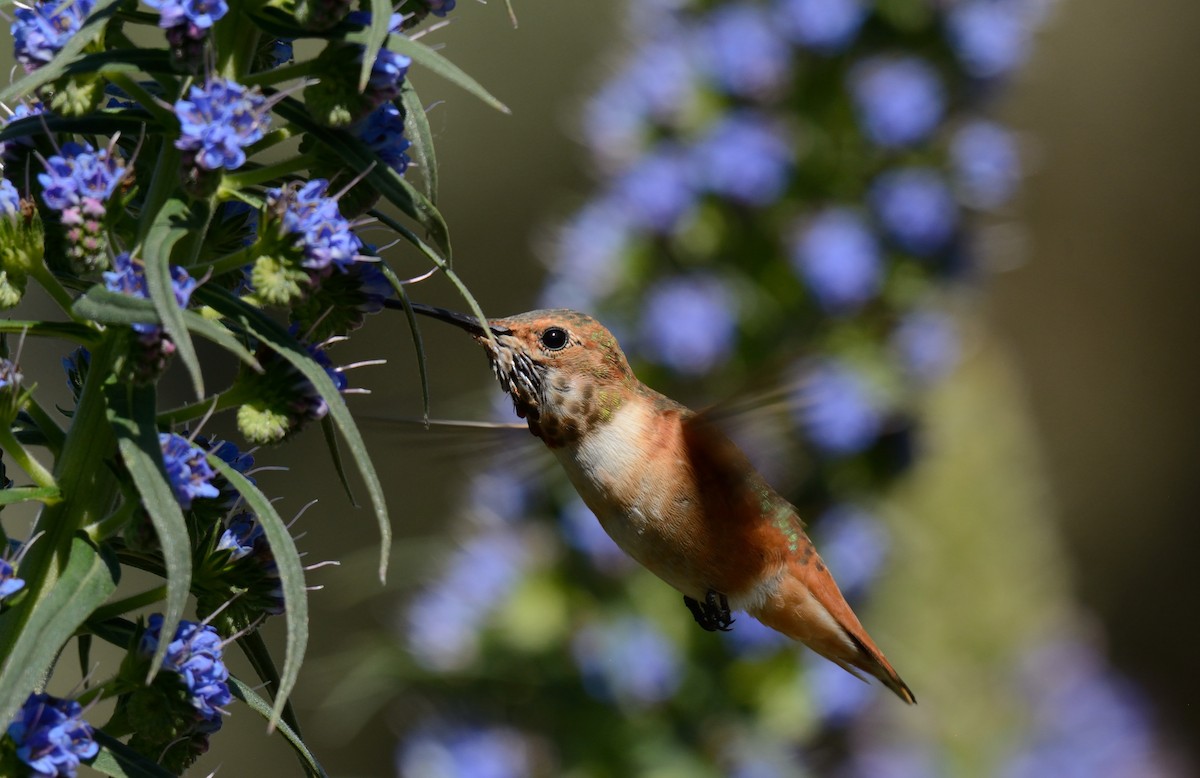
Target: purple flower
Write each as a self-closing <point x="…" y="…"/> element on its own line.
<point x="9" y="583"/>
<point x="195" y="654"/>
<point x="658" y="191"/>
<point x="197" y="15"/>
<point x="926" y="343"/>
<point x="20" y="111"/>
<point x="244" y="539"/>
<point x="128" y="276"/>
<point x="991" y="37"/>
<point x="741" y="49"/>
<point x="825" y="26"/>
<point x="627" y="660"/>
<point x="465" y="752"/>
<point x="688" y="324"/>
<point x="916" y="209"/>
<point x="899" y="99"/>
<point x="583" y="532"/>
<point x="80" y="176"/>
<point x="10" y="201"/>
<point x="323" y="235"/>
<point x="387" y="77"/>
<point x="188" y="471"/>
<point x="41" y="30"/>
<point x="218" y="121"/>
<point x="987" y="164"/>
<point x="839" y="259"/>
<point x="854" y="545"/>
<point x="745" y="157"/>
<point x="51" y="736"/>
<point x="383" y="132"/>
<point x="838" y="410"/>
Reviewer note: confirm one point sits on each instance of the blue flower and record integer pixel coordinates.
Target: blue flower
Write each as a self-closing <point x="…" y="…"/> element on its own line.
<point x="627" y="660"/>
<point x="439" y="7"/>
<point x="742" y="51"/>
<point x="587" y="256"/>
<point x="926" y="343"/>
<point x="837" y="255"/>
<point x="987" y="164"/>
<point x="195" y="654"/>
<point x="79" y="175"/>
<point x="854" y="545"/>
<point x="991" y="37"/>
<point x="9" y="583"/>
<point x="128" y="276"/>
<point x="244" y="538"/>
<point x="187" y="470"/>
<point x="10" y="201"/>
<point x="658" y="191"/>
<point x="895" y="761"/>
<point x="746" y="158"/>
<point x="498" y="497"/>
<point x="75" y="365"/>
<point x="583" y="532"/>
<point x="916" y="209"/>
<point x="688" y="324"/>
<point x="218" y="121"/>
<point x="197" y="15"/>
<point x="899" y="99"/>
<point x="383" y="132"/>
<point x="282" y="52"/>
<point x="749" y="637"/>
<point x="387" y="77"/>
<point x="51" y="736"/>
<point x="20" y="111"/>
<point x="824" y="26"/>
<point x="323" y="235"/>
<point x="838" y="410"/>
<point x="837" y="695"/>
<point x="464" y="752"/>
<point x="41" y="30"/>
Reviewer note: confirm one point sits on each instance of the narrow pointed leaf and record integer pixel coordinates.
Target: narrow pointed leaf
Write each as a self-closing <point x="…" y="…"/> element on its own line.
<point x="335" y="454"/>
<point x="431" y="60"/>
<point x="132" y="415"/>
<point x="377" y="33"/>
<point x="170" y="225"/>
<point x="22" y="493"/>
<point x="247" y="695"/>
<point x="416" y="128"/>
<point x="120" y="761"/>
<point x="90" y="30"/>
<point x="415" y="330"/>
<point x="79" y="333"/>
<point x="259" y="656"/>
<point x="291" y="578"/>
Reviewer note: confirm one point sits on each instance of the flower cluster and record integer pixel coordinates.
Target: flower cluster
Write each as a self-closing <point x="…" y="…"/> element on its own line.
<point x="336" y="100"/>
<point x="195" y="655"/>
<point x="51" y="737"/>
<point x="42" y="29"/>
<point x="281" y="399"/>
<point x="188" y="470"/>
<point x="244" y="539"/>
<point x="218" y="121"/>
<point x="78" y="183"/>
<point x="459" y="752"/>
<point x="187" y="24"/>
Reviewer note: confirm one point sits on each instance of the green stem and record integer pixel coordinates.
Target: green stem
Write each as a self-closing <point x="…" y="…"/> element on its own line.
<point x="50" y="430"/>
<point x="50" y="283"/>
<point x="261" y="175"/>
<point x="133" y="602"/>
<point x="230" y="398"/>
<point x="146" y="100"/>
<point x="279" y="75"/>
<point x="115" y="521"/>
<point x="226" y="264"/>
<point x="104" y="691"/>
<point x="195" y="239"/>
<point x="40" y="475"/>
<point x="162" y="185"/>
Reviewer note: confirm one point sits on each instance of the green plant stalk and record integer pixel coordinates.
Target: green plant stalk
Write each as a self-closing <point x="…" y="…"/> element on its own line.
<point x="249" y="178"/>
<point x="45" y="277"/>
<point x="230" y="398"/>
<point x="115" y="521"/>
<point x="279" y="75"/>
<point x="144" y="98"/>
<point x="36" y="470"/>
<point x="55" y="437"/>
<point x="162" y="184"/>
<point x="132" y="602"/>
<point x="87" y="491"/>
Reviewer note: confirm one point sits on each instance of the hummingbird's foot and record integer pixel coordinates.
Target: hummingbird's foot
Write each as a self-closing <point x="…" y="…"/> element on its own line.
<point x="713" y="614"/>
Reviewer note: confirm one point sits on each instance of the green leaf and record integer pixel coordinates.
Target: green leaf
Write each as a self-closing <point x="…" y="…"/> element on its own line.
<point x="431" y="60"/>
<point x="121" y="761"/>
<point x="358" y="158"/>
<point x="126" y="122"/>
<point x="79" y="333"/>
<point x="107" y="307"/>
<point x="416" y="127"/>
<point x="87" y="580"/>
<point x="291" y="578"/>
<point x="266" y="330"/>
<point x="170" y="225"/>
<point x="259" y="656"/>
<point x="247" y="695"/>
<point x="90" y="31"/>
<point x="414" y="328"/>
<point x="376" y="35"/>
<point x="22" y="493"/>
<point x="132" y="415"/>
<point x="335" y="454"/>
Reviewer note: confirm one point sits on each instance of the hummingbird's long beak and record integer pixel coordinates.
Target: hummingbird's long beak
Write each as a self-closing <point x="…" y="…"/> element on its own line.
<point x="460" y="320"/>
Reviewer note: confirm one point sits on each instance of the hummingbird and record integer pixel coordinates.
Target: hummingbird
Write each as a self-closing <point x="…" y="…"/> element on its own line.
<point x="672" y="490"/>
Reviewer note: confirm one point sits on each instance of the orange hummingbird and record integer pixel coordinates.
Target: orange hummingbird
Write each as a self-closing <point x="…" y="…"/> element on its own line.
<point x="673" y="492"/>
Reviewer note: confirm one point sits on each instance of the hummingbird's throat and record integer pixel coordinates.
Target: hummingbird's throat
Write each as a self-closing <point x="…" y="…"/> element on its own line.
<point x="521" y="378"/>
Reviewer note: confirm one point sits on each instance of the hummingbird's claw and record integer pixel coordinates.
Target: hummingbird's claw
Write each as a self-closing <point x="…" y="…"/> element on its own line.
<point x="713" y="614"/>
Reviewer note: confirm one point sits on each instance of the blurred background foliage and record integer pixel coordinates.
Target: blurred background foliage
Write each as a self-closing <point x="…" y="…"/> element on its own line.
<point x="1028" y="564"/>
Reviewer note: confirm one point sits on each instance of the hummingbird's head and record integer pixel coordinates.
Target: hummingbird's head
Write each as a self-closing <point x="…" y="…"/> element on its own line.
<point x="564" y="370"/>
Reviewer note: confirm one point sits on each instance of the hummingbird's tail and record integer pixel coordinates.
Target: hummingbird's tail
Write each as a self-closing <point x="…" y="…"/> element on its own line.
<point x="809" y="607"/>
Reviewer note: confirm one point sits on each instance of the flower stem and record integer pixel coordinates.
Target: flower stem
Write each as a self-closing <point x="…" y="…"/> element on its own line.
<point x="40" y="475"/>
<point x="236" y="181"/>
<point x="230" y="398"/>
<point x="50" y="283"/>
<point x="146" y="100"/>
<point x="133" y="602"/>
<point x="225" y="264"/>
<point x="280" y="74"/>
<point x="115" y="521"/>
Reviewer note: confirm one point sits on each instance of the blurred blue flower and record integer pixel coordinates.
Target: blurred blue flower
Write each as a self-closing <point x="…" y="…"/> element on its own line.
<point x="464" y="752"/>
<point x="444" y="620"/>
<point x="926" y="343"/>
<point x="658" y="191"/>
<point x="51" y="737"/>
<point x="195" y="654"/>
<point x="41" y="29"/>
<point x="387" y="77"/>
<point x="837" y="695"/>
<point x="218" y="121"/>
<point x="197" y="15"/>
<point x="837" y="409"/>
<point x="987" y="164"/>
<point x="899" y="99"/>
<point x="824" y="26"/>
<point x="740" y="48"/>
<point x="991" y="37"/>
<point x="21" y="110"/>
<point x="587" y="256"/>
<point x="128" y="276"/>
<point x="188" y="471"/>
<point x="10" y="200"/>
<point x="916" y="209"/>
<point x="583" y="532"/>
<point x="912" y="760"/>
<point x="837" y="255"/>
<point x="627" y="660"/>
<point x="688" y="324"/>
<point x="763" y="758"/>
<point x="854" y="544"/>
<point x="745" y="157"/>
<point x="282" y="52"/>
<point x="383" y="132"/>
<point x="9" y="583"/>
<point x="750" y="638"/>
<point x="1085" y="720"/>
<point x="498" y="497"/>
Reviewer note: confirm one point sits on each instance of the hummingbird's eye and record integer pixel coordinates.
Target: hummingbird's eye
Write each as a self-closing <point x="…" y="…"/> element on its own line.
<point x="554" y="338"/>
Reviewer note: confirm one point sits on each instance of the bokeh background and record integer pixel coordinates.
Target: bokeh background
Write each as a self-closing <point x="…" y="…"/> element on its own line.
<point x="1095" y="270"/>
